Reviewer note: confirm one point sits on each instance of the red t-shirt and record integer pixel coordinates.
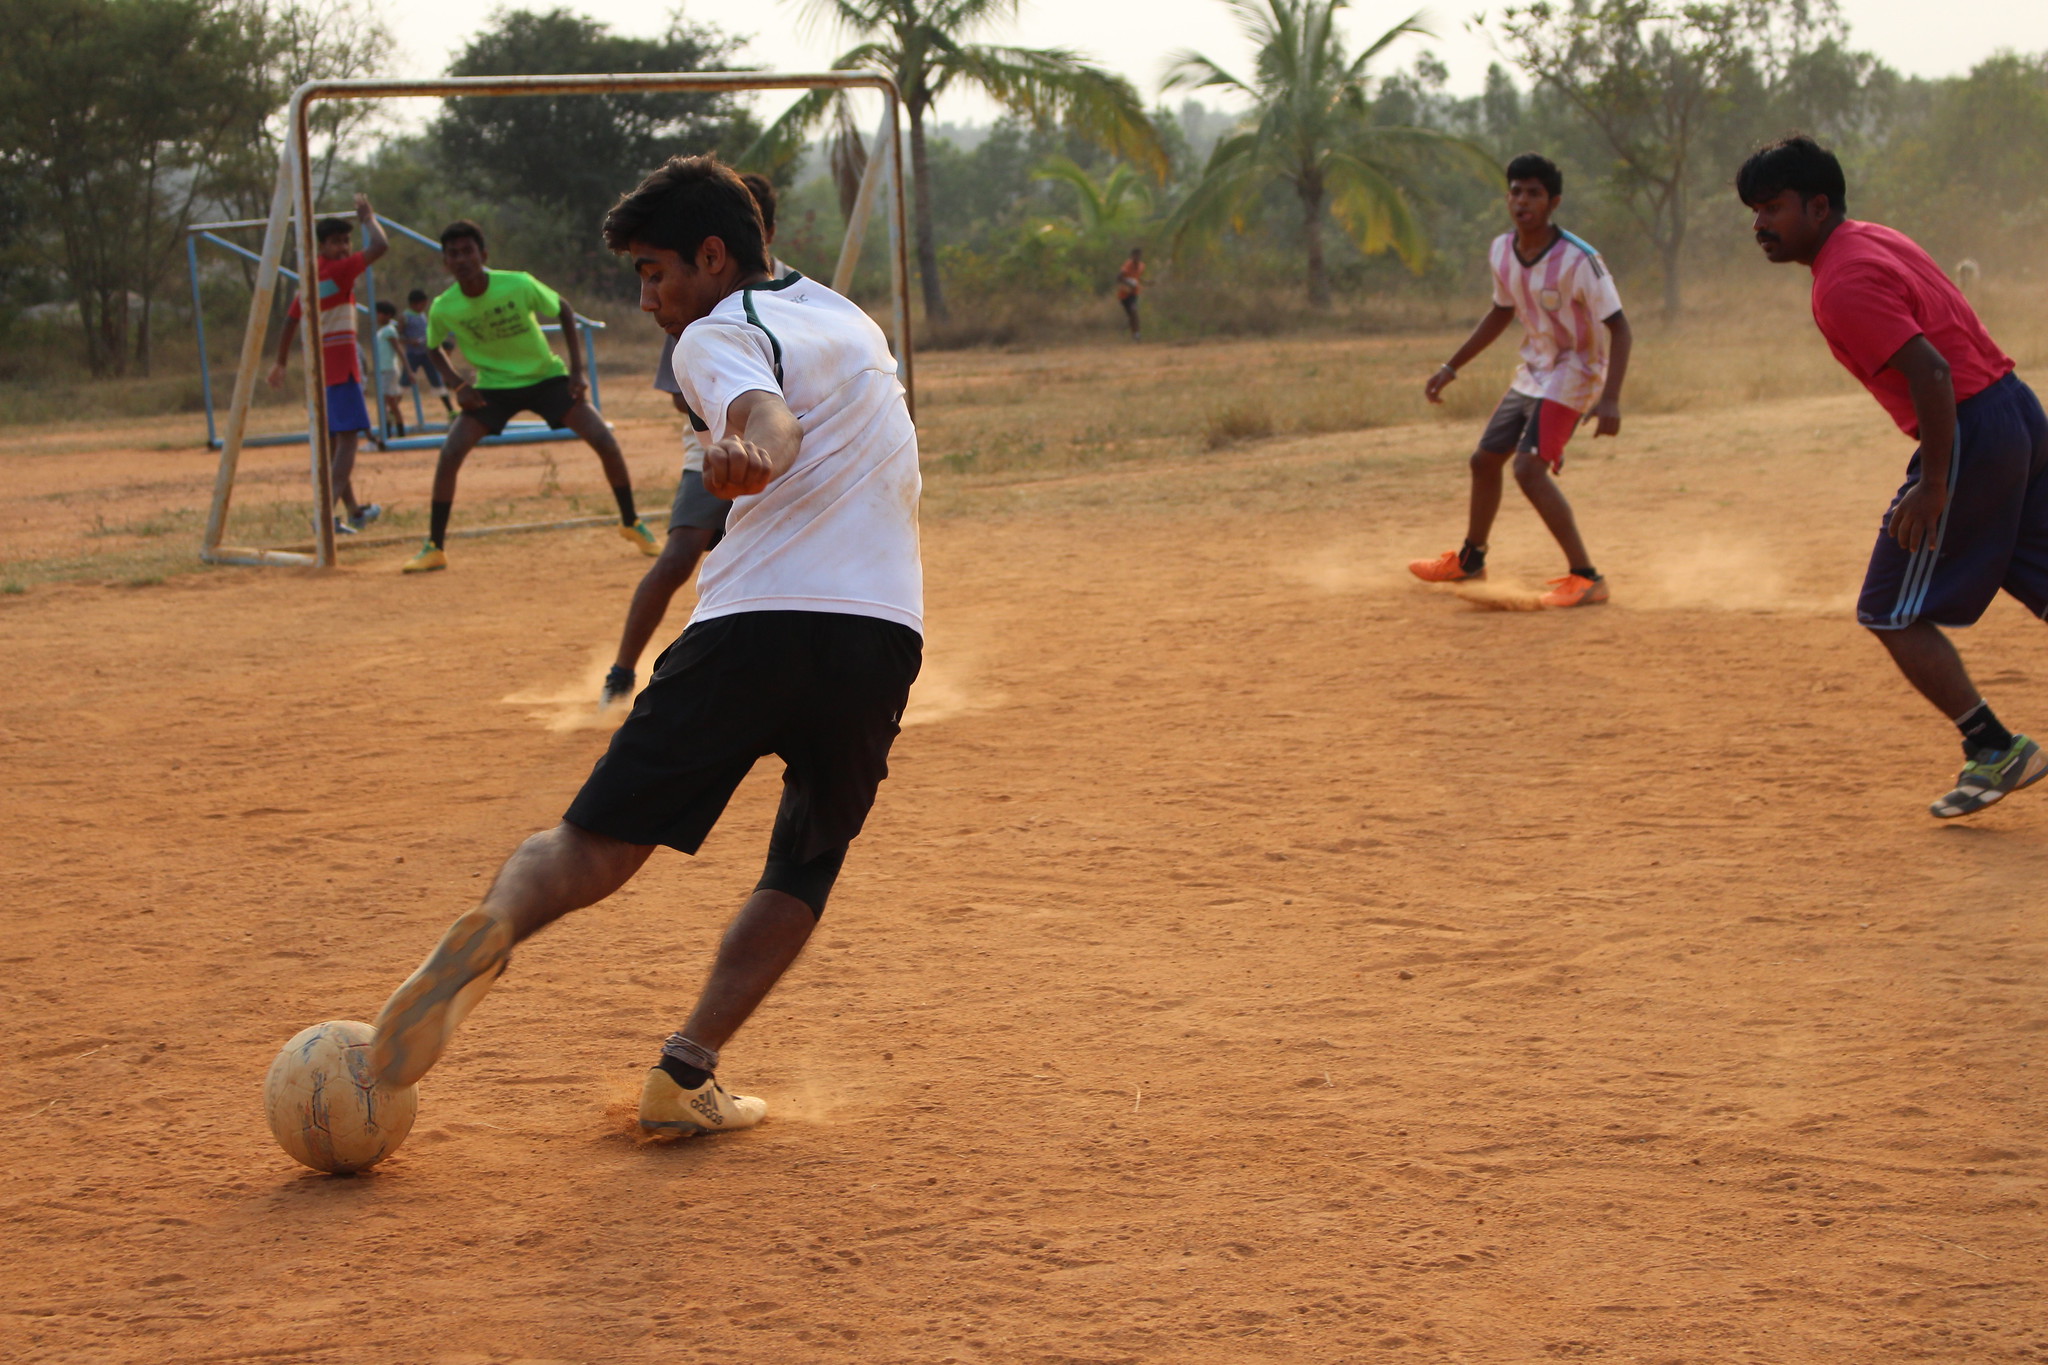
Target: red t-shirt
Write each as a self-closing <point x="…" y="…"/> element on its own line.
<point x="337" y="316"/>
<point x="1874" y="290"/>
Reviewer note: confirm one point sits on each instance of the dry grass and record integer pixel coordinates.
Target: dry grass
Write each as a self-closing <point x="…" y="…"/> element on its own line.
<point x="989" y="418"/>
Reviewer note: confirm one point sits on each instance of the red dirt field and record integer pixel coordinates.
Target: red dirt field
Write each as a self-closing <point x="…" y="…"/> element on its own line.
<point x="1254" y="956"/>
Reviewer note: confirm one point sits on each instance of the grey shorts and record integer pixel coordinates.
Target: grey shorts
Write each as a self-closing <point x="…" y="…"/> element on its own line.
<point x="695" y="507"/>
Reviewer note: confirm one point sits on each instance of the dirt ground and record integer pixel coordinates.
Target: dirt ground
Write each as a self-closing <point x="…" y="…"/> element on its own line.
<point x="1254" y="956"/>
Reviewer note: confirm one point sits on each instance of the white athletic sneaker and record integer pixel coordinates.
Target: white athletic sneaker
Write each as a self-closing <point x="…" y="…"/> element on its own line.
<point x="665" y="1107"/>
<point x="421" y="1016"/>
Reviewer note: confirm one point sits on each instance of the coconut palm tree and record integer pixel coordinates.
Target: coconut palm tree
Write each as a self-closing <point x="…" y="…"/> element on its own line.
<point x="1311" y="127"/>
<point x="924" y="45"/>
<point x="1114" y="204"/>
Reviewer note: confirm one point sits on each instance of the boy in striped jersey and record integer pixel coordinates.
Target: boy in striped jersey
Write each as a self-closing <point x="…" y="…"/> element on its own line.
<point x="1574" y="358"/>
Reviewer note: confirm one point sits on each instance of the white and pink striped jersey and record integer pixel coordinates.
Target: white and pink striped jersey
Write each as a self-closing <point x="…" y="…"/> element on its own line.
<point x="1561" y="300"/>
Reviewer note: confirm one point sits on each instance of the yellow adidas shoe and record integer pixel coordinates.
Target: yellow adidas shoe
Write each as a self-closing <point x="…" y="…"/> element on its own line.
<point x="642" y="538"/>
<point x="430" y="558"/>
<point x="665" y="1107"/>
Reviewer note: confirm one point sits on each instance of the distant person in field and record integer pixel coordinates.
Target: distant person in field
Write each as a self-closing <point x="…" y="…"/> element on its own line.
<point x="1130" y="282"/>
<point x="417" y="366"/>
<point x="697" y="519"/>
<point x="1972" y="516"/>
<point x="495" y="317"/>
<point x="1575" y="349"/>
<point x="392" y="372"/>
<point x="341" y="362"/>
<point x="807" y="636"/>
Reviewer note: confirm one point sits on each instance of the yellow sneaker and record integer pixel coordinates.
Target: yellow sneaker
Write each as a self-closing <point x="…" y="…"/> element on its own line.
<point x="665" y="1107"/>
<point x="430" y="557"/>
<point x="1575" y="591"/>
<point x="642" y="538"/>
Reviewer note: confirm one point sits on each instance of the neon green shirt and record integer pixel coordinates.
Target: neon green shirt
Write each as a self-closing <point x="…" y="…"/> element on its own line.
<point x="499" y="330"/>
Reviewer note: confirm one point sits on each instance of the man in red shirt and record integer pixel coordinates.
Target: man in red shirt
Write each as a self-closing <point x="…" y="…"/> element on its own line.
<point x="347" y="415"/>
<point x="1972" y="516"/>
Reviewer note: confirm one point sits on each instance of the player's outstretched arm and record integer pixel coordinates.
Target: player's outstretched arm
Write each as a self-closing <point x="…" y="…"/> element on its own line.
<point x="1621" y="340"/>
<point x="1917" y="518"/>
<point x="1484" y="335"/>
<point x="379" y="242"/>
<point x="761" y="441"/>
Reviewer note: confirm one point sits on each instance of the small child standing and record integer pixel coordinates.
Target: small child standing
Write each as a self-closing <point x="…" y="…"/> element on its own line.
<point x="413" y="326"/>
<point x="392" y="371"/>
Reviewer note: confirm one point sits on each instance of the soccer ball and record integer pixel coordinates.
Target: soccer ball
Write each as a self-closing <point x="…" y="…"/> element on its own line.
<point x="325" y="1108"/>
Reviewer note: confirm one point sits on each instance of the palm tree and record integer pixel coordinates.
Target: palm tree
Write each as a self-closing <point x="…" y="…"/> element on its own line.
<point x="1311" y="127"/>
<point x="923" y="44"/>
<point x="1114" y="204"/>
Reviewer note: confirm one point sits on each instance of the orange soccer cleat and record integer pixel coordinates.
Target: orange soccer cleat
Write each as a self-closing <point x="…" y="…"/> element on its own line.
<point x="1575" y="591"/>
<point x="1445" y="568"/>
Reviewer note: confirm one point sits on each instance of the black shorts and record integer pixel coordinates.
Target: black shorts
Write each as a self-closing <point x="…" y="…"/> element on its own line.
<point x="823" y="690"/>
<point x="549" y="399"/>
<point x="1993" y="535"/>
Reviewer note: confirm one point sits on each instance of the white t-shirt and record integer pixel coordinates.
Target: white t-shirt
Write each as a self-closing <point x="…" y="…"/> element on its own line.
<point x="665" y="380"/>
<point x="838" y="530"/>
<point x="1562" y="300"/>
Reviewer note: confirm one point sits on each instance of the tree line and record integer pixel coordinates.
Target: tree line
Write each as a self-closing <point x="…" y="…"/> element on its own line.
<point x="1344" y="169"/>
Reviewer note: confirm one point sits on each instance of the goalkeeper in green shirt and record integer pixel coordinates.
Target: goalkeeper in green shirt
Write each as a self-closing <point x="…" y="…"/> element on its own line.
<point x="495" y="317"/>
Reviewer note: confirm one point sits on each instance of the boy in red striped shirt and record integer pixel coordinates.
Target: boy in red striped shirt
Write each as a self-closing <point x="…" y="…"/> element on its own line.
<point x="1574" y="357"/>
<point x="337" y="271"/>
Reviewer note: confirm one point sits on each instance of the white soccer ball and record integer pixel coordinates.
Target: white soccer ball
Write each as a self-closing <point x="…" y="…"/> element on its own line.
<point x="325" y="1108"/>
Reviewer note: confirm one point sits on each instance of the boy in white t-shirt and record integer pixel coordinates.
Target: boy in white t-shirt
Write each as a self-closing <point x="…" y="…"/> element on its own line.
<point x="1570" y="374"/>
<point x="807" y="635"/>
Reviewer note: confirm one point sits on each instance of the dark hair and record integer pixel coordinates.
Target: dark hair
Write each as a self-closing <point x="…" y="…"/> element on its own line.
<point x="416" y="296"/>
<point x="689" y="199"/>
<point x="332" y="227"/>
<point x="1794" y="162"/>
<point x="1537" y="167"/>
<point x="763" y="191"/>
<point x="387" y="306"/>
<point x="460" y="229"/>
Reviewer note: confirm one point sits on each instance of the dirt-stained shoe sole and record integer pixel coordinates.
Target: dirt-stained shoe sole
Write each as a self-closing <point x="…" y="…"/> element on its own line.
<point x="421" y="1016"/>
<point x="668" y="1109"/>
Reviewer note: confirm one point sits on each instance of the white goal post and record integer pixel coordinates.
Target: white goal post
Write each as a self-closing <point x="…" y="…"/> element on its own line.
<point x="291" y="205"/>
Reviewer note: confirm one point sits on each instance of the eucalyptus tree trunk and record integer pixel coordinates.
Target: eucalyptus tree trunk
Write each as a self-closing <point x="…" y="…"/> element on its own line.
<point x="921" y="207"/>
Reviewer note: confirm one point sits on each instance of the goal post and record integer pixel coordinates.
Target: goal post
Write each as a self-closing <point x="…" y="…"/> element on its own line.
<point x="292" y="210"/>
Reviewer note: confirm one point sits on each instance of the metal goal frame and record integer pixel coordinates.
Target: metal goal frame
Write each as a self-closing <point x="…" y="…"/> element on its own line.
<point x="291" y="207"/>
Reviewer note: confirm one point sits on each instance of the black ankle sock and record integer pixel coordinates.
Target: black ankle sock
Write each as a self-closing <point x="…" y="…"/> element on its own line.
<point x="1472" y="558"/>
<point x="1981" y="730"/>
<point x="688" y="1077"/>
<point x="624" y="493"/>
<point x="1587" y="572"/>
<point x="437" y="522"/>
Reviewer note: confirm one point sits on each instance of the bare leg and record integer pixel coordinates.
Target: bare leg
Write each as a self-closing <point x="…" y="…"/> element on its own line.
<point x="345" y="469"/>
<point x="557" y="871"/>
<point x="455" y="447"/>
<point x="759" y="946"/>
<point x="1549" y="500"/>
<point x="662" y="581"/>
<point x="584" y="420"/>
<point x="1486" y="483"/>
<point x="1930" y="662"/>
<point x="546" y="877"/>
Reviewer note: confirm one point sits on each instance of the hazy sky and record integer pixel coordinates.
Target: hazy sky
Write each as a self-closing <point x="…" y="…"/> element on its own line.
<point x="1135" y="36"/>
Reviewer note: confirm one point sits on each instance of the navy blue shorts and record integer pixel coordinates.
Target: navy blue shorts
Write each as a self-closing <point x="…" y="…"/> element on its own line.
<point x="1993" y="535"/>
<point x="345" y="408"/>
